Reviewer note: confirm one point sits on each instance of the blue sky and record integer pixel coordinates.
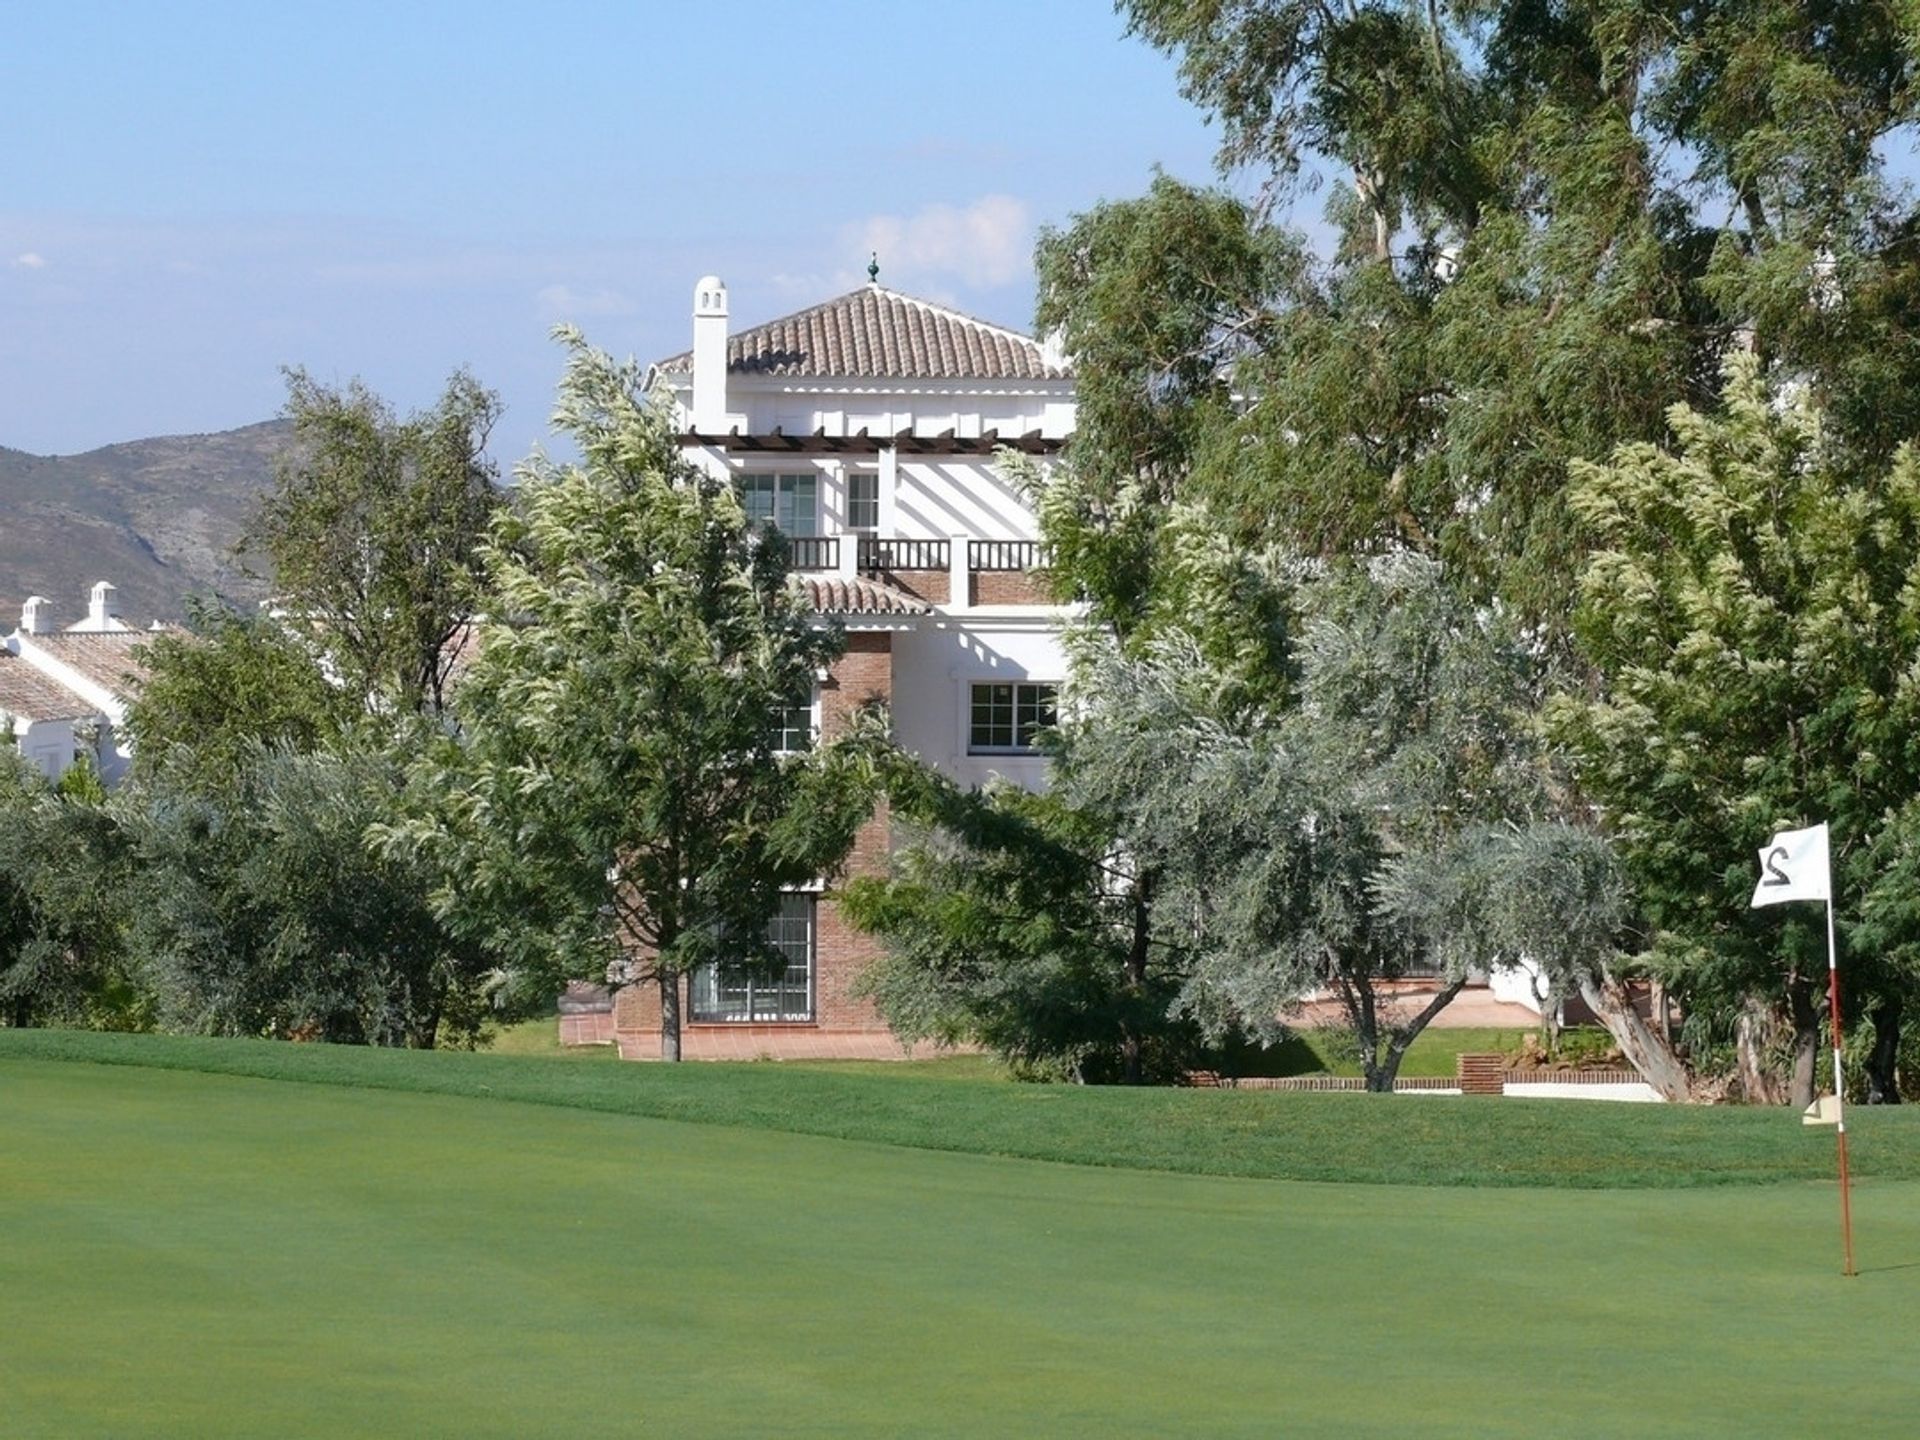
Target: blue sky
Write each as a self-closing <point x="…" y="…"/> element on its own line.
<point x="192" y="196"/>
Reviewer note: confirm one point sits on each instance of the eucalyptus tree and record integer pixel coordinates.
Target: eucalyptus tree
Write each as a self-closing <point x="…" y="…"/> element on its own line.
<point x="1548" y="224"/>
<point x="373" y="530"/>
<point x="609" y="803"/>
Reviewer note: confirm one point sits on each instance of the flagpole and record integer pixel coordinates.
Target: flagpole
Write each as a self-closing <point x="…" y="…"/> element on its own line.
<point x="1839" y="1103"/>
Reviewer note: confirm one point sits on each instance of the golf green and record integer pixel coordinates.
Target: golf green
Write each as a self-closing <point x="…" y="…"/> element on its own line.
<point x="208" y="1255"/>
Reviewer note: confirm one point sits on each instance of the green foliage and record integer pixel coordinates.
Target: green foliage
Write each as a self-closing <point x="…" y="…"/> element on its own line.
<point x="1752" y="606"/>
<point x="1011" y="922"/>
<point x="1155" y="299"/>
<point x="234" y="683"/>
<point x="1551" y="222"/>
<point x="1392" y="817"/>
<point x="64" y="906"/>
<point x="373" y="532"/>
<point x="611" y="795"/>
<point x="262" y="910"/>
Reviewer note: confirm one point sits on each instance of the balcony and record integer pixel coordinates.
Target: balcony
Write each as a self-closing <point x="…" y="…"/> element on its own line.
<point x="987" y="572"/>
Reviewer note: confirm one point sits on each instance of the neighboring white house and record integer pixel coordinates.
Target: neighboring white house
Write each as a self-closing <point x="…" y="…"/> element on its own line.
<point x="64" y="693"/>
<point x="867" y="429"/>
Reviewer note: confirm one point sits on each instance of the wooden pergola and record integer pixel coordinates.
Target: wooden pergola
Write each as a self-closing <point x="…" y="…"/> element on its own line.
<point x="906" y="442"/>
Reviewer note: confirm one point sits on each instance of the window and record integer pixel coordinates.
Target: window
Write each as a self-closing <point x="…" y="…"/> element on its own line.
<point x="728" y="994"/>
<point x="789" y="503"/>
<point x="1007" y="716"/>
<point x="863" y="500"/>
<point x="792" y="728"/>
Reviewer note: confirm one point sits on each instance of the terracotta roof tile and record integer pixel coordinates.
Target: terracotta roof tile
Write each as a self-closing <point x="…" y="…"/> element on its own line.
<point x="26" y="694"/>
<point x="830" y="596"/>
<point x="877" y="332"/>
<point x="106" y="658"/>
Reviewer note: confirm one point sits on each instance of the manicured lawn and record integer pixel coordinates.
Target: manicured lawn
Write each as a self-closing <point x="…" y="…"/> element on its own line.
<point x="1270" y="1135"/>
<point x="540" y="1039"/>
<point x="210" y="1255"/>
<point x="1320" y="1052"/>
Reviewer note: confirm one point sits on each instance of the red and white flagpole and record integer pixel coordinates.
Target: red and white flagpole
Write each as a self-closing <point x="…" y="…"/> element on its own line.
<point x="1839" y="1103"/>
<point x="1796" y="865"/>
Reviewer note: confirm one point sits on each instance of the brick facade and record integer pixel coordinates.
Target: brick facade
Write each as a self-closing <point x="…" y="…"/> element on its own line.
<point x="928" y="585"/>
<point x="1010" y="587"/>
<point x="862" y="676"/>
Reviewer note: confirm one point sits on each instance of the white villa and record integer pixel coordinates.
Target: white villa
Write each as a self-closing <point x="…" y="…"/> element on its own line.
<point x="64" y="692"/>
<point x="866" y="429"/>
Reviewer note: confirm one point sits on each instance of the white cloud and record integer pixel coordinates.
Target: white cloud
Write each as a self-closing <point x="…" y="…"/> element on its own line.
<point x="988" y="243"/>
<point x="30" y="261"/>
<point x="565" y="303"/>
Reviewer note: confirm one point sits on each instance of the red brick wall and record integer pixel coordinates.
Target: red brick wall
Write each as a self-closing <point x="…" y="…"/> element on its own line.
<point x="928" y="585"/>
<point x="863" y="674"/>
<point x="1010" y="587"/>
<point x="594" y="1028"/>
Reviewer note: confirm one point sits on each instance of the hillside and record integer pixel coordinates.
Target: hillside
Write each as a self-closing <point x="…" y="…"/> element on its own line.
<point x="157" y="517"/>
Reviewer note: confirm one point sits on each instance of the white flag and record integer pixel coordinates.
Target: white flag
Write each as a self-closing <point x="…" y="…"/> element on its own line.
<point x="1793" y="866"/>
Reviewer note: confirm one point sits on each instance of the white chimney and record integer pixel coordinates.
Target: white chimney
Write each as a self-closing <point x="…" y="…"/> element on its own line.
<point x="103" y="610"/>
<point x="36" y="616"/>
<point x="709" y="356"/>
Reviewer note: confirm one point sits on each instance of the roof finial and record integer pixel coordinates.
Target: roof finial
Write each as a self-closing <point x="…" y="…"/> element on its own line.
<point x="873" y="268"/>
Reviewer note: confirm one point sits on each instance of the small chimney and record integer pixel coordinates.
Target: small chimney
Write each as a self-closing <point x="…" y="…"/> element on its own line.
<point x="103" y="610"/>
<point x="709" y="356"/>
<point x="36" y="616"/>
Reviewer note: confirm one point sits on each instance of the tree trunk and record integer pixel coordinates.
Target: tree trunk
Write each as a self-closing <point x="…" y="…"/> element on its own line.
<point x="1649" y="1053"/>
<point x="669" y="1017"/>
<point x="1883" y="1079"/>
<point x="1806" y="1043"/>
<point x="1356" y="997"/>
<point x="1753" y="1036"/>
<point x="1380" y="1076"/>
<point x="1132" y="1068"/>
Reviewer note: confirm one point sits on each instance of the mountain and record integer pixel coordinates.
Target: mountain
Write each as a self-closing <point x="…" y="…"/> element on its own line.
<point x="157" y="517"/>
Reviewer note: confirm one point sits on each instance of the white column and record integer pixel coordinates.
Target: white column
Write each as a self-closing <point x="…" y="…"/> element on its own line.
<point x="959" y="578"/>
<point x="889" y="489"/>
<point x="709" y="405"/>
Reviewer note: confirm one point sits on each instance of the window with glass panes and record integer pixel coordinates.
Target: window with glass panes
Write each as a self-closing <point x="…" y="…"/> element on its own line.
<point x="1008" y="714"/>
<point x="863" y="500"/>
<point x="792" y="727"/>
<point x="789" y="503"/>
<point x="730" y="994"/>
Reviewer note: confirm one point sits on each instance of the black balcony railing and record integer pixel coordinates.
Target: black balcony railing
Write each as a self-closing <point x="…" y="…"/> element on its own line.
<point x="877" y="554"/>
<point x="1004" y="555"/>
<point x="813" y="552"/>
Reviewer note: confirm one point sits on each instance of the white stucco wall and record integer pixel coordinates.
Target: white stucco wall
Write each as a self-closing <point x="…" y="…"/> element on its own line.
<point x="934" y="667"/>
<point x="1634" y="1091"/>
<point x="936" y="499"/>
<point x="48" y="744"/>
<point x="1515" y="984"/>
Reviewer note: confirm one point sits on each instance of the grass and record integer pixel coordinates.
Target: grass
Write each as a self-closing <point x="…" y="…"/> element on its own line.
<point x="540" y="1039"/>
<point x="1328" y="1052"/>
<point x="1308" y="1052"/>
<point x="213" y="1255"/>
<point x="1266" y="1135"/>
